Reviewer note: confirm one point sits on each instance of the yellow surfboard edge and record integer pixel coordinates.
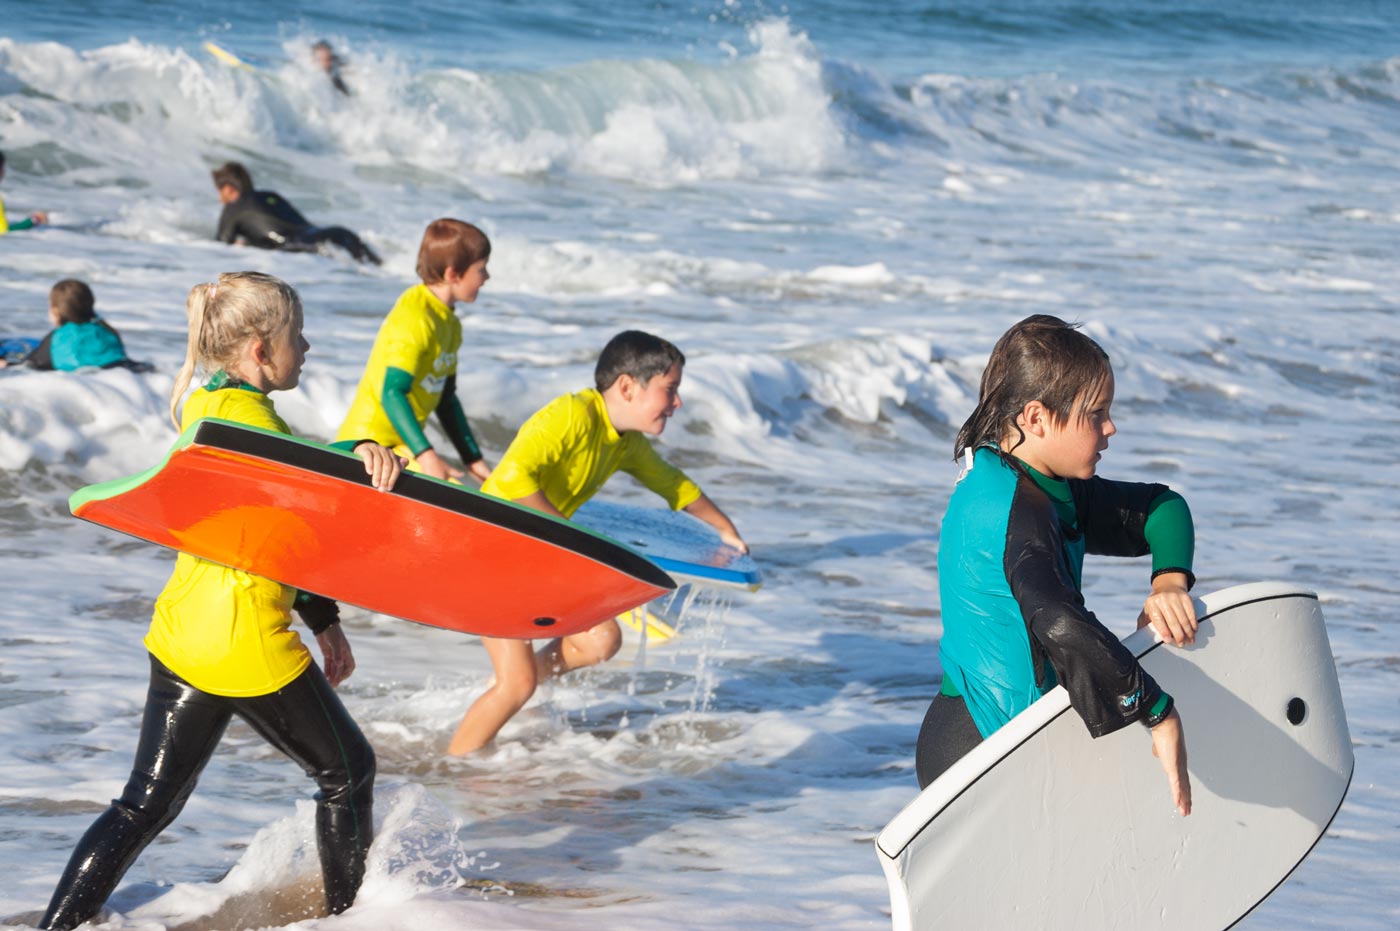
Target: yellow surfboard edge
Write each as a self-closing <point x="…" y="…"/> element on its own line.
<point x="643" y="620"/>
<point x="225" y="56"/>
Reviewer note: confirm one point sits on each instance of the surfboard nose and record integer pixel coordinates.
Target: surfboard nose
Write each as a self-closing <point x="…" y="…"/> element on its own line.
<point x="1086" y="826"/>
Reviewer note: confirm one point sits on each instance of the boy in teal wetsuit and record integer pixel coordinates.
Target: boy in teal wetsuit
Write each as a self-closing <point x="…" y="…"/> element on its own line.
<point x="34" y="219"/>
<point x="1003" y="598"/>
<point x="1011" y="554"/>
<point x="80" y="339"/>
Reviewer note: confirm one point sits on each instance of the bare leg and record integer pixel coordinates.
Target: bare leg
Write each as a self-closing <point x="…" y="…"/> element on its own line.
<point x="588" y="648"/>
<point x="514" y="663"/>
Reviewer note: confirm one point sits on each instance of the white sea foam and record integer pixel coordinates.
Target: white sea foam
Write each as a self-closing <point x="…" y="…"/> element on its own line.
<point x="835" y="248"/>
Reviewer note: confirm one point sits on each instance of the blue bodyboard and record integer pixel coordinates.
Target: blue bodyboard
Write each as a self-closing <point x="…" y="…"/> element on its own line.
<point x="675" y="541"/>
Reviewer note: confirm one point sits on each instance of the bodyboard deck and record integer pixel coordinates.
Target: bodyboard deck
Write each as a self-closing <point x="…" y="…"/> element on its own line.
<point x="15" y="349"/>
<point x="1041" y="825"/>
<point x="680" y="544"/>
<point x="427" y="551"/>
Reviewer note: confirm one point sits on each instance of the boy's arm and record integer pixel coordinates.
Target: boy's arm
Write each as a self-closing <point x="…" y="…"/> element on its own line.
<point x="645" y="464"/>
<point x="1129" y="519"/>
<point x="705" y="509"/>
<point x="228" y="224"/>
<point x="454" y="423"/>
<point x="1106" y="685"/>
<point x="322" y="615"/>
<point x="1171" y="536"/>
<point x="539" y="502"/>
<point x="1113" y="515"/>
<point x="393" y="397"/>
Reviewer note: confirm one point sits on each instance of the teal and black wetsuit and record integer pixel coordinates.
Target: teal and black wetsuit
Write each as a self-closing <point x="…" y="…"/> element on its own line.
<point x="1014" y="622"/>
<point x="78" y="345"/>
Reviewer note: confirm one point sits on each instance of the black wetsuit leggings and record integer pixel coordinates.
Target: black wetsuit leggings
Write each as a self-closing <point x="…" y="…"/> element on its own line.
<point x="339" y="236"/>
<point x="946" y="736"/>
<point x="180" y="729"/>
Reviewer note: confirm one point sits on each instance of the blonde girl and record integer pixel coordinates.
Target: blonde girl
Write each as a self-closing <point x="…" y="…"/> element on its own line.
<point x="221" y="642"/>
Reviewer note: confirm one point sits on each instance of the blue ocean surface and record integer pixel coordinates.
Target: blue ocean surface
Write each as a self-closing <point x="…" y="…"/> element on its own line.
<point x="834" y="208"/>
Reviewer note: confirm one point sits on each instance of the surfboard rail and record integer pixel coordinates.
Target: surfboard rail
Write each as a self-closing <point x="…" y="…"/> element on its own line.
<point x="1048" y="753"/>
<point x="226" y="57"/>
<point x="428" y="551"/>
<point x="681" y="544"/>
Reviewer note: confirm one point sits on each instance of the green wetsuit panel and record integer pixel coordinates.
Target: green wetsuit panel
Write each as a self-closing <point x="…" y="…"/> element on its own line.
<point x="454" y="422"/>
<point x="394" y="399"/>
<point x="1170" y="532"/>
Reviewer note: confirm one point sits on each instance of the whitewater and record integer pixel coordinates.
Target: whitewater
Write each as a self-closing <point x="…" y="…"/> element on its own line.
<point x="833" y="208"/>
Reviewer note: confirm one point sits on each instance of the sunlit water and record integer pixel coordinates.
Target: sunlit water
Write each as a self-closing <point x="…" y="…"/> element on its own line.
<point x="834" y="209"/>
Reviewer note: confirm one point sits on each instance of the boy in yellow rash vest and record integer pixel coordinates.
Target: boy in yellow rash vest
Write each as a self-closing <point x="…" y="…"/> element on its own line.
<point x="221" y="642"/>
<point x="562" y="455"/>
<point x="37" y="218"/>
<point x="412" y="368"/>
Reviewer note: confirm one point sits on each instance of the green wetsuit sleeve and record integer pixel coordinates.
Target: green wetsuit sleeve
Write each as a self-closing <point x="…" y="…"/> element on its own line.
<point x="1171" y="534"/>
<point x="454" y="423"/>
<point x="24" y="224"/>
<point x="394" y="399"/>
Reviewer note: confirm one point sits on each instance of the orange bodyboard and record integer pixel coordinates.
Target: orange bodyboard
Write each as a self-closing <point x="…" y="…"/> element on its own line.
<point x="427" y="551"/>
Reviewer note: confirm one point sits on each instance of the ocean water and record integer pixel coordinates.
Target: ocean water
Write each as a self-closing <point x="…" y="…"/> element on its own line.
<point x="834" y="208"/>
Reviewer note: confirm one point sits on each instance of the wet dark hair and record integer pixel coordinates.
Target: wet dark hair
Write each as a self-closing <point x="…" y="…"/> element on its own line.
<point x="234" y="175"/>
<point x="1043" y="359"/>
<point x="73" y="301"/>
<point x="2" y="159"/>
<point x="635" y="353"/>
<point x="449" y="243"/>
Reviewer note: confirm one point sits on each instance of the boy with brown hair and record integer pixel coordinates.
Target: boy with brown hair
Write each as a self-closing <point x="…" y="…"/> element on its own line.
<point x="412" y="367"/>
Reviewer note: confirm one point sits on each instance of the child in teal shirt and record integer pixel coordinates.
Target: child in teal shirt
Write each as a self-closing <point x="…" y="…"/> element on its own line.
<point x="80" y="338"/>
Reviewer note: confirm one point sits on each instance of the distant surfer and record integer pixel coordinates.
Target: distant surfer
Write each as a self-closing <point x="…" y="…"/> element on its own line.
<point x="38" y="218"/>
<point x="267" y="220"/>
<point x="412" y="368"/>
<point x="1011" y="554"/>
<point x="559" y="459"/>
<point x="328" y="61"/>
<point x="221" y="643"/>
<point x="80" y="338"/>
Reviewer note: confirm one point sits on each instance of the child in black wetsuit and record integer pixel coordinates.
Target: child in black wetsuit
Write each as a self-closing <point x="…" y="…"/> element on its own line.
<point x="267" y="220"/>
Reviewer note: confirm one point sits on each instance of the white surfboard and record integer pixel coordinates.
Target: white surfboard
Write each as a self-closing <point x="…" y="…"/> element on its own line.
<point x="1042" y="827"/>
